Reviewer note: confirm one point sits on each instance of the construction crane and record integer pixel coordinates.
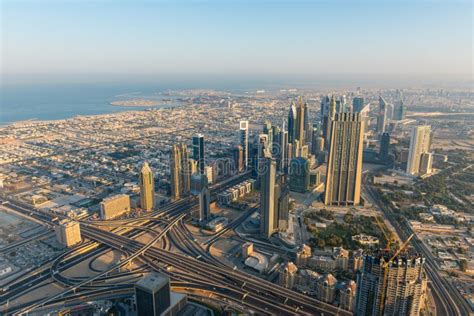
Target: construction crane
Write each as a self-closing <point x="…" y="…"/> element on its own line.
<point x="385" y="270"/>
<point x="387" y="234"/>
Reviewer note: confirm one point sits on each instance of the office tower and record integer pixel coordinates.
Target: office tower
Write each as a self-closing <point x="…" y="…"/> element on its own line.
<point x="152" y="294"/>
<point x="68" y="233"/>
<point x="268" y="130"/>
<point x="198" y="151"/>
<point x="324" y="112"/>
<point x="114" y="206"/>
<point x="426" y="162"/>
<point x="330" y="117"/>
<point x="200" y="188"/>
<point x="267" y="198"/>
<point x="287" y="275"/>
<point x="276" y="141"/>
<point x="210" y="174"/>
<point x="384" y="147"/>
<point x="391" y="286"/>
<point x="193" y="166"/>
<point x="357" y="104"/>
<point x="292" y="123"/>
<point x="180" y="166"/>
<point x="343" y="176"/>
<point x="238" y="155"/>
<point x="299" y="175"/>
<point x="283" y="158"/>
<point x="282" y="202"/>
<point x="388" y="112"/>
<point x="399" y="109"/>
<point x="301" y="121"/>
<point x="147" y="187"/>
<point x="420" y="143"/>
<point x="244" y="141"/>
<point x="381" y="115"/>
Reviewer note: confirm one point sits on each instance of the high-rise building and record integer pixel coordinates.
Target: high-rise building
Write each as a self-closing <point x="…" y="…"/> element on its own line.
<point x="282" y="202"/>
<point x="268" y="130"/>
<point x="238" y="155"/>
<point x="292" y="114"/>
<point x="299" y="175"/>
<point x="328" y="120"/>
<point x="399" y="108"/>
<point x="180" y="166"/>
<point x="244" y="141"/>
<point x="426" y="162"/>
<point x="114" y="206"/>
<point x="301" y="121"/>
<point x="200" y="188"/>
<point x="384" y="147"/>
<point x="357" y="104"/>
<point x="391" y="287"/>
<point x="419" y="144"/>
<point x="381" y="115"/>
<point x="267" y="198"/>
<point x="147" y="187"/>
<point x="283" y="157"/>
<point x="347" y="295"/>
<point x="198" y="151"/>
<point x="344" y="171"/>
<point x="68" y="233"/>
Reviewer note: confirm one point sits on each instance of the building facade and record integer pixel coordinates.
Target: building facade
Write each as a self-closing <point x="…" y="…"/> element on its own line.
<point x="147" y="188"/>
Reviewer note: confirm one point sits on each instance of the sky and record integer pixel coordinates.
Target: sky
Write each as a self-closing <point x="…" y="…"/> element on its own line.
<point x="92" y="38"/>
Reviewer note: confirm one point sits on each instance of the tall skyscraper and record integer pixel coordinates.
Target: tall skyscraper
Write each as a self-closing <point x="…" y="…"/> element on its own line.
<point x="299" y="175"/>
<point x="180" y="166"/>
<point x="384" y="147"/>
<point x="344" y="171"/>
<point x="330" y="117"/>
<point x="268" y="130"/>
<point x="198" y="151"/>
<point x="292" y="123"/>
<point x="267" y="198"/>
<point x="391" y="287"/>
<point x="283" y="157"/>
<point x="152" y="294"/>
<point x="381" y="115"/>
<point x="357" y="104"/>
<point x="301" y="121"/>
<point x="399" y="109"/>
<point x="244" y="141"/>
<point x="238" y="155"/>
<point x="419" y="144"/>
<point x="147" y="187"/>
<point x="200" y="188"/>
<point x="282" y="202"/>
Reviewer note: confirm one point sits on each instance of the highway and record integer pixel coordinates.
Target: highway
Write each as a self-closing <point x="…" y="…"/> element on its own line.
<point x="238" y="287"/>
<point x="449" y="300"/>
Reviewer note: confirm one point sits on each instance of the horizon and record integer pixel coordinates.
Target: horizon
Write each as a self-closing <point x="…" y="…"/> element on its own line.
<point x="106" y="40"/>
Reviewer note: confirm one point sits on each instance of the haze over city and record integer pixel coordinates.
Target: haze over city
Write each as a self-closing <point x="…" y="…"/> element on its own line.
<point x="236" y="158"/>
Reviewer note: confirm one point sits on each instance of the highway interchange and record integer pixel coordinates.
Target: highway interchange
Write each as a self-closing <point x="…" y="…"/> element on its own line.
<point x="195" y="272"/>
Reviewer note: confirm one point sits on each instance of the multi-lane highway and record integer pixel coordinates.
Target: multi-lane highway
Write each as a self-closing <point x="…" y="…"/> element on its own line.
<point x="204" y="275"/>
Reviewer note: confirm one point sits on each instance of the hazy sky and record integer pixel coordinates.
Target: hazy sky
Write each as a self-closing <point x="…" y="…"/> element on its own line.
<point x="236" y="37"/>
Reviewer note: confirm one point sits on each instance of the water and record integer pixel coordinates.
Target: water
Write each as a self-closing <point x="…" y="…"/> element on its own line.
<point x="52" y="102"/>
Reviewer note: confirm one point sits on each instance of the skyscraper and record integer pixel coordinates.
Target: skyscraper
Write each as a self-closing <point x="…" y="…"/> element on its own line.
<point x="147" y="187"/>
<point x="283" y="157"/>
<point x="384" y="147"/>
<point x="200" y="188"/>
<point x="282" y="202"/>
<point x="399" y="109"/>
<point x="381" y="115"/>
<point x="238" y="155"/>
<point x="180" y="166"/>
<point x="357" y="104"/>
<point x="198" y="151"/>
<point x="68" y="232"/>
<point x="330" y="116"/>
<point x="391" y="287"/>
<point x="292" y="123"/>
<point x="267" y="198"/>
<point x="343" y="177"/>
<point x="420" y="143"/>
<point x="299" y="175"/>
<point x="301" y="121"/>
<point x="244" y="141"/>
<point x="268" y="130"/>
